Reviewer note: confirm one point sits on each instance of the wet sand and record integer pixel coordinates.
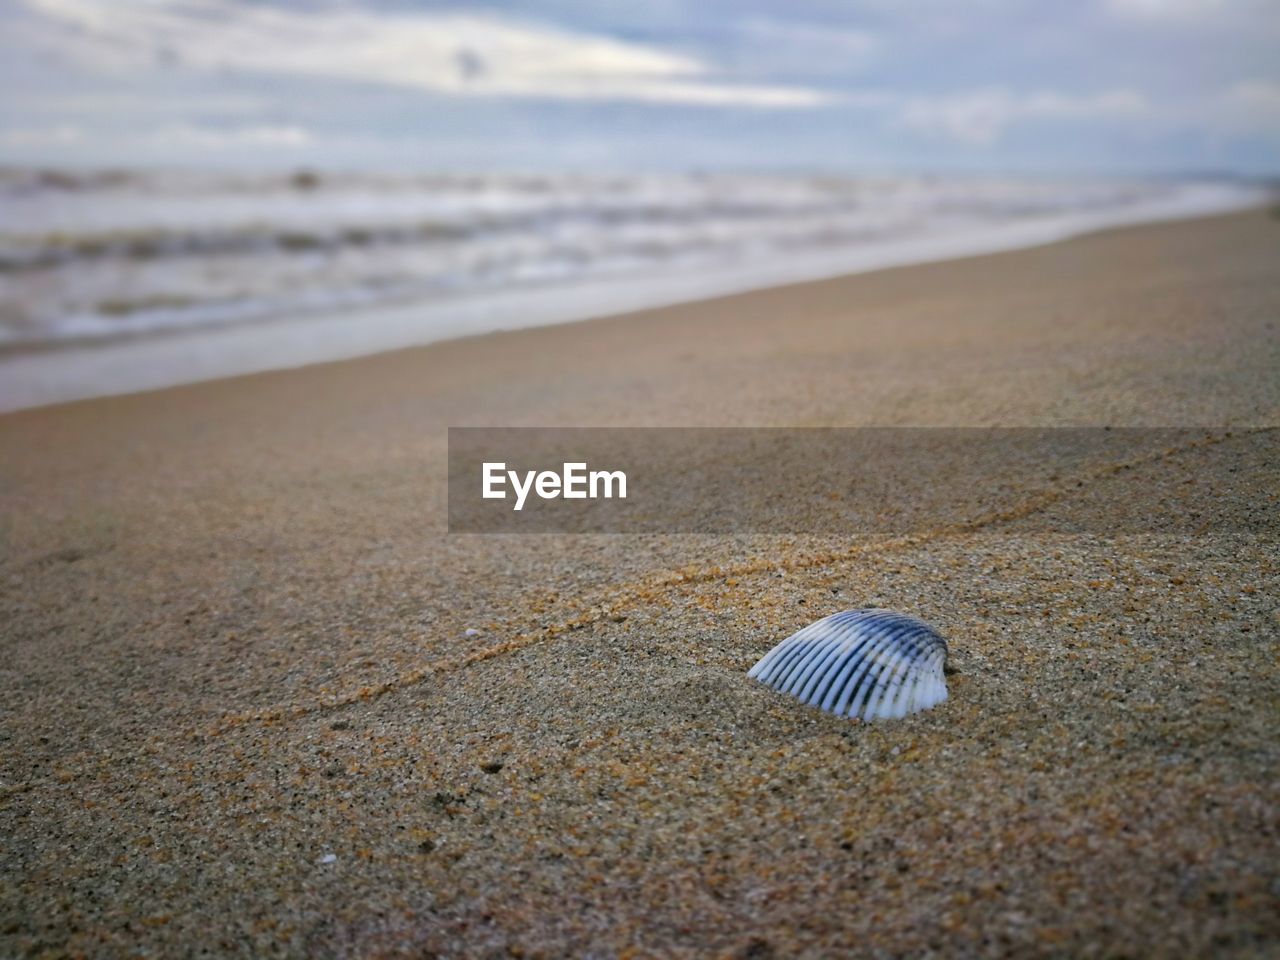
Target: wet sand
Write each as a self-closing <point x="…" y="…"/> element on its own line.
<point x="242" y="710"/>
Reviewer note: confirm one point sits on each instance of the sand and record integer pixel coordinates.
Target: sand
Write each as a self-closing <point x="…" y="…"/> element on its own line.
<point x="247" y="711"/>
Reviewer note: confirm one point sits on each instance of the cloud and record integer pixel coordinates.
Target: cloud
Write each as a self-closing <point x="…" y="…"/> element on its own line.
<point x="981" y="117"/>
<point x="1165" y="9"/>
<point x="456" y="54"/>
<point x="805" y="49"/>
<point x="223" y="138"/>
<point x="59" y="135"/>
<point x="1251" y="108"/>
<point x="874" y="83"/>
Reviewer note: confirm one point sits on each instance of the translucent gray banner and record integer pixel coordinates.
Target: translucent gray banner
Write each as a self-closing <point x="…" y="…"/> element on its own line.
<point x="867" y="480"/>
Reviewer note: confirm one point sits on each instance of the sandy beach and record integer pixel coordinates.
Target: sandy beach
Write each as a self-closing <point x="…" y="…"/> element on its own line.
<point x="258" y="701"/>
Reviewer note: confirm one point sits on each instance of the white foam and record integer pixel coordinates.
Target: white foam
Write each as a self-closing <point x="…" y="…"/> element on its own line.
<point x="915" y="221"/>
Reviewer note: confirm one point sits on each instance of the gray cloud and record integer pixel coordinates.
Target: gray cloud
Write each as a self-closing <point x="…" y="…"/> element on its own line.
<point x="1103" y="84"/>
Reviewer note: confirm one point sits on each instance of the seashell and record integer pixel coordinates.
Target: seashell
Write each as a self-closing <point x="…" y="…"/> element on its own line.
<point x="865" y="663"/>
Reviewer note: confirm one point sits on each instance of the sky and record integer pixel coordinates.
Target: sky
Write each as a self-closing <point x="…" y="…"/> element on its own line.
<point x="1038" y="86"/>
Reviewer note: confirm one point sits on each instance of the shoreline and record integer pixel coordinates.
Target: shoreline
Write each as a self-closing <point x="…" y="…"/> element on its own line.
<point x="70" y="372"/>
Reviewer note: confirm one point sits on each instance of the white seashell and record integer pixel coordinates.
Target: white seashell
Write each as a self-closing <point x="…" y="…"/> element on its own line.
<point x="867" y="663"/>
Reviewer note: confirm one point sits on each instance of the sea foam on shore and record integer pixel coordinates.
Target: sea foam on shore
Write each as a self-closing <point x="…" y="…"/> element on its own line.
<point x="127" y="281"/>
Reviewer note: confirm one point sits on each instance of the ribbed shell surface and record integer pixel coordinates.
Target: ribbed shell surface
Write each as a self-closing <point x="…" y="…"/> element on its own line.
<point x="872" y="664"/>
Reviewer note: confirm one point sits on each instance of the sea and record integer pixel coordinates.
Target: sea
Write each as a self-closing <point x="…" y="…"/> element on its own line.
<point x="118" y="281"/>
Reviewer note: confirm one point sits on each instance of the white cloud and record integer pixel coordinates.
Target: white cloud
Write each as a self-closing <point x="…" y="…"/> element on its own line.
<point x="222" y="138"/>
<point x="805" y="47"/>
<point x="1165" y="9"/>
<point x="1251" y="108"/>
<point x="980" y="117"/>
<point x="60" y="135"/>
<point x="444" y="53"/>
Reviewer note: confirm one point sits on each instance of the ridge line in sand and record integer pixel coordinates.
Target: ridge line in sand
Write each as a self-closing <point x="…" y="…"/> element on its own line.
<point x="629" y="595"/>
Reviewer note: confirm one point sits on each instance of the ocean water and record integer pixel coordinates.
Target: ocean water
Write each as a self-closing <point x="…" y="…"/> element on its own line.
<point x="344" y="264"/>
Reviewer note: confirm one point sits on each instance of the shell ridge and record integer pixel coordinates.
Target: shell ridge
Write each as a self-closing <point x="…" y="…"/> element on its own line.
<point x="864" y="682"/>
<point x="791" y="669"/>
<point x="768" y="666"/>
<point x="838" y="677"/>
<point x="838" y="647"/>
<point x="903" y="689"/>
<point x="858" y="657"/>
<point x="909" y="699"/>
<point x="880" y="687"/>
<point x="898" y="672"/>
<point x="796" y="648"/>
<point x="925" y="682"/>
<point x="825" y="648"/>
<point x="861" y="681"/>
